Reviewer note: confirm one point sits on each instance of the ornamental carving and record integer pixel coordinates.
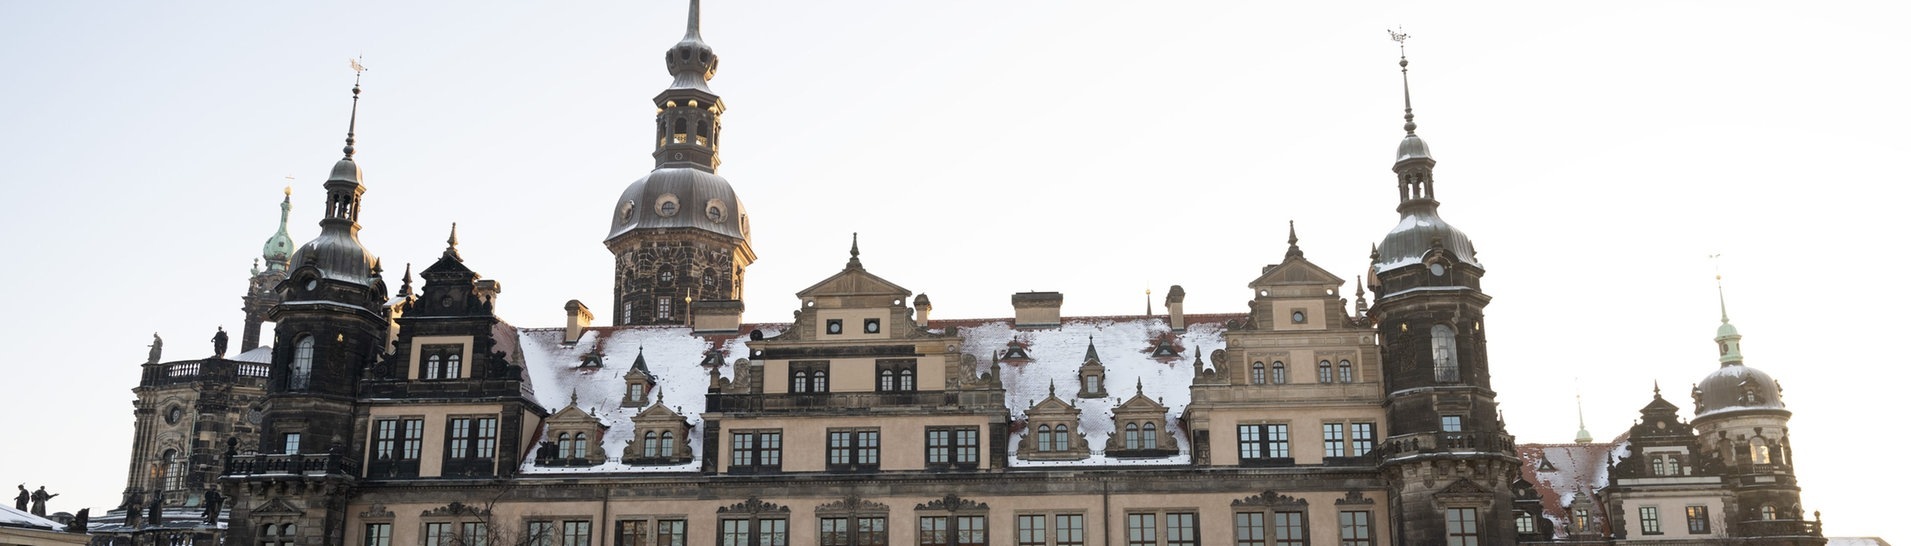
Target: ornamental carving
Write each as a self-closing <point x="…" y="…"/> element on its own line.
<point x="1463" y="490"/>
<point x="854" y="504"/>
<point x="457" y="509"/>
<point x="1270" y="498"/>
<point x="753" y="506"/>
<point x="377" y="511"/>
<point x="1353" y="497"/>
<point x="953" y="503"/>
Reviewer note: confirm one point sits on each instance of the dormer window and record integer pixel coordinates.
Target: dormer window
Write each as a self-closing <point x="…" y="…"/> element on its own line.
<point x="441" y="361"/>
<point x="809" y="377"/>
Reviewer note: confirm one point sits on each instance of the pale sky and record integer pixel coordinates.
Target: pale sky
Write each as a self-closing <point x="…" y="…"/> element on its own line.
<point x="1596" y="154"/>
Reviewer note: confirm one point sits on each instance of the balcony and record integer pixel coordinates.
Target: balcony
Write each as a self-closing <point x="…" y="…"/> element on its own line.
<point x="1446" y="442"/>
<point x="834" y="401"/>
<point x="230" y="371"/>
<point x="292" y="463"/>
<point x="1780" y="528"/>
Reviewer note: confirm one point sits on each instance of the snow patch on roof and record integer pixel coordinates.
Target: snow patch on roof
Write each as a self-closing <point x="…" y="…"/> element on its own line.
<point x="261" y="354"/>
<point x="16" y="518"/>
<point x="1576" y="469"/>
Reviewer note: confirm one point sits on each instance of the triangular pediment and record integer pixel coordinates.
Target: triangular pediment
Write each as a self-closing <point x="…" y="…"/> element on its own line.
<point x="1296" y="271"/>
<point x="1053" y="406"/>
<point x="574" y="414"/>
<point x="277" y="507"/>
<point x="854" y="281"/>
<point x="1140" y="402"/>
<point x="658" y="412"/>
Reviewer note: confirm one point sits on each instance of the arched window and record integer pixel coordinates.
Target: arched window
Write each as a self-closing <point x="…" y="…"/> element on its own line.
<point x="431" y="367"/>
<point x="1767" y="513"/>
<point x="1279" y="373"/>
<point x="563" y="445"/>
<point x="1346" y="372"/>
<point x="302" y="364"/>
<point x="1658" y="466"/>
<point x="1043" y="442"/>
<point x="1445" y="368"/>
<point x="682" y="128"/>
<point x="907" y="379"/>
<point x="703" y="132"/>
<point x="1061" y="437"/>
<point x="454" y="366"/>
<point x="668" y="445"/>
<point x="1525" y="524"/>
<point x="1326" y="372"/>
<point x="289" y="529"/>
<point x="1148" y="436"/>
<point x="1761" y="453"/>
<point x="886" y="380"/>
<point x="801" y="383"/>
<point x="1258" y="375"/>
<point x="819" y="382"/>
<point x="172" y="470"/>
<point x="650" y="443"/>
<point x="1131" y="436"/>
<point x="1672" y="466"/>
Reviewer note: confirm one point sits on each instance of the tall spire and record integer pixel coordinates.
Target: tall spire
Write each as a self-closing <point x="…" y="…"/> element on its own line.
<point x="351" y="129"/>
<point x="1584" y="437"/>
<point x="688" y="113"/>
<point x="1728" y="337"/>
<point x="451" y="244"/>
<point x="1293" y="243"/>
<point x="1406" y="91"/>
<point x="855" y="253"/>
<point x="278" y="248"/>
<point x="694" y="30"/>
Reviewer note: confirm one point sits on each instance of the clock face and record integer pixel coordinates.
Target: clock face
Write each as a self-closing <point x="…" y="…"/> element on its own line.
<point x="1437" y="269"/>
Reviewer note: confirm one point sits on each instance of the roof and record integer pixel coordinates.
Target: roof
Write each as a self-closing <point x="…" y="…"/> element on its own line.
<point x="10" y="517"/>
<point x="1562" y="472"/>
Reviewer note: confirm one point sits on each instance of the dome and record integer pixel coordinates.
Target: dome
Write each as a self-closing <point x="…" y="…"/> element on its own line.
<point x="1409" y="241"/>
<point x="1412" y="148"/>
<point x="339" y="256"/>
<point x="1734" y="388"/>
<point x="680" y="197"/>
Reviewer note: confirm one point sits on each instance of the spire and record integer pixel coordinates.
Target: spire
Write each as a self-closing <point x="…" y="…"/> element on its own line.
<point x="1406" y="91"/>
<point x="278" y="248"/>
<point x="1148" y="301"/>
<point x="351" y="129"/>
<point x="1412" y="160"/>
<point x="451" y="244"/>
<point x="1360" y="298"/>
<point x="1293" y="243"/>
<point x="687" y="111"/>
<point x="404" y="286"/>
<point x="1727" y="338"/>
<point x="855" y="253"/>
<point x="1583" y="437"/>
<point x="694" y="30"/>
<point x="1091" y="356"/>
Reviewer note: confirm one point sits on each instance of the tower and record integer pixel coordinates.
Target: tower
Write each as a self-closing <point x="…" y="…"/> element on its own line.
<point x="679" y="234"/>
<point x="331" y="326"/>
<point x="261" y="294"/>
<point x="1447" y="456"/>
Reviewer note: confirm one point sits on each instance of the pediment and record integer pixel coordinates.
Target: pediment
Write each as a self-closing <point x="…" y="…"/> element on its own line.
<point x="277" y="507"/>
<point x="854" y="281"/>
<point x="1296" y="271"/>
<point x="1140" y="402"/>
<point x="658" y="412"/>
<point x="1053" y="406"/>
<point x="574" y="414"/>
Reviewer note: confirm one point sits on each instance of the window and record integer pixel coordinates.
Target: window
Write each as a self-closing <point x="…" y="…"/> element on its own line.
<point x="895" y="375"/>
<point x="539" y="533"/>
<point x="1262" y="443"/>
<point x="1183" y="529"/>
<point x="666" y="275"/>
<point x="1449" y="423"/>
<point x="1326" y="372"/>
<point x="854" y="531"/>
<point x="1445" y="366"/>
<point x="1051" y="439"/>
<point x="872" y="326"/>
<point x="1131" y="437"/>
<point x="1290" y="529"/>
<point x="663" y="308"/>
<point x="174" y="468"/>
<point x="1767" y="513"/>
<point x="833" y="326"/>
<point x="854" y="450"/>
<point x="1525" y="524"/>
<point x="1696" y="520"/>
<point x="671" y="532"/>
<point x="576" y="533"/>
<point x="1031" y="530"/>
<point x="1581" y="519"/>
<point x="1658" y="466"/>
<point x="1279" y="373"/>
<point x="1649" y="520"/>
<point x="378" y="534"/>
<point x="473" y="533"/>
<point x="1363" y="438"/>
<point x="1356" y="528"/>
<point x="395" y="446"/>
<point x="1258" y="374"/>
<point x="1346" y="371"/>
<point x="967" y="531"/>
<point x="809" y="377"/>
<point x="1333" y="439"/>
<point x="1250" y="529"/>
<point x="472" y="442"/>
<point x="438" y="534"/>
<point x="1091" y="383"/>
<point x="290" y="441"/>
<point x="1761" y="453"/>
<point x="1068" y="530"/>
<point x="960" y="446"/>
<point x="1672" y="465"/>
<point x="1463" y="527"/>
<point x="755" y="532"/>
<point x="754" y="451"/>
<point x="1141" y="529"/>
<point x="302" y="364"/>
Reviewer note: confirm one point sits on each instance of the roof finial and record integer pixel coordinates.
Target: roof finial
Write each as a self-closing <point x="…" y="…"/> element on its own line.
<point x="1148" y="299"/>
<point x="1584" y="437"/>
<point x="855" y="252"/>
<point x="1655" y="388"/>
<point x="1293" y="242"/>
<point x="1091" y="356"/>
<point x="695" y="29"/>
<point x="451" y="244"/>
<point x="1719" y="279"/>
<point x="1406" y="90"/>
<point x="351" y="131"/>
<point x="404" y="289"/>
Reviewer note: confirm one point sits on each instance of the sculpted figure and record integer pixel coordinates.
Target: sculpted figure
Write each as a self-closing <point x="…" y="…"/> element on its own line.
<point x="219" y="343"/>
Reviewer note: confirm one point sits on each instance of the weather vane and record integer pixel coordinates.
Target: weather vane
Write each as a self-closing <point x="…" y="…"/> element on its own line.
<point x="1715" y="266"/>
<point x="1399" y="34"/>
<point x="358" y="70"/>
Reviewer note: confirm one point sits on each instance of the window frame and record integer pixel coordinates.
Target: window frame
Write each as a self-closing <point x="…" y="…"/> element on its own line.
<point x="763" y="458"/>
<point x="397" y="446"/>
<point x="896" y="375"/>
<point x="1698" y="520"/>
<point x="1649" y="521"/>
<point x="860" y="449"/>
<point x="1359" y="524"/>
<point x="468" y="450"/>
<point x="1468" y="520"/>
<point x="809" y="377"/>
<point x="1270" y="444"/>
<point x="953" y="448"/>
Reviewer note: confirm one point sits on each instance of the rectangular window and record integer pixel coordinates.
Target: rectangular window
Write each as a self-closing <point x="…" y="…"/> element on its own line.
<point x="1333" y="440"/>
<point x="972" y="531"/>
<point x="670" y="532"/>
<point x="848" y="531"/>
<point x="291" y="442"/>
<point x="540" y="533"/>
<point x="473" y="533"/>
<point x="854" y="450"/>
<point x="754" y="532"/>
<point x="753" y="451"/>
<point x="576" y="533"/>
<point x="395" y="447"/>
<point x="1463" y="527"/>
<point x="1289" y="529"/>
<point x="932" y="531"/>
<point x="954" y="446"/>
<point x="835" y="531"/>
<point x="1696" y="521"/>
<point x="1581" y="519"/>
<point x="438" y="534"/>
<point x="1141" y="530"/>
<point x="378" y="534"/>
<point x="663" y="308"/>
<point x="1250" y="529"/>
<point x="1363" y="436"/>
<point x="630" y="532"/>
<point x="1031" y="530"/>
<point x="1449" y="423"/>
<point x="1649" y="520"/>
<point x="470" y="445"/>
<point x="1525" y="524"/>
<point x="809" y="377"/>
<point x="1356" y="529"/>
<point x="1183" y="529"/>
<point x="896" y="375"/>
<point x="1068" y="530"/>
<point x="1263" y="443"/>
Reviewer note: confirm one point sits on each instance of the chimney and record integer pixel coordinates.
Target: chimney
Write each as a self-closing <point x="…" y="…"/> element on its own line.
<point x="488" y="290"/>
<point x="716" y="316"/>
<point x="1176" y="321"/>
<point x="1037" y="309"/>
<point x="922" y="310"/>
<point x="577" y="317"/>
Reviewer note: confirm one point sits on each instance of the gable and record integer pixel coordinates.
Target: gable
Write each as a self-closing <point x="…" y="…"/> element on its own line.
<point x="854" y="282"/>
<point x="1296" y="271"/>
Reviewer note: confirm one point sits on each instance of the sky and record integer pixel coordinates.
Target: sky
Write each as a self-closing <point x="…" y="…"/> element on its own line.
<point x="1597" y="156"/>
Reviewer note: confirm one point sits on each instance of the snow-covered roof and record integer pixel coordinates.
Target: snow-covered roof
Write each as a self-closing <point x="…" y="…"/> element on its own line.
<point x="1562" y="472"/>
<point x="10" y="517"/>
<point x="261" y="355"/>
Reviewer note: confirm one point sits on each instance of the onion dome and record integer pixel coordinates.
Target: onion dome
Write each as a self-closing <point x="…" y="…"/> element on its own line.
<point x="1421" y="230"/>
<point x="1734" y="387"/>
<point x="278" y="249"/>
<point x="336" y="252"/>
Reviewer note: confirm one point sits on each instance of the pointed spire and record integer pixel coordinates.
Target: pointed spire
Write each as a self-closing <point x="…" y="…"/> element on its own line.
<point x="1360" y="297"/>
<point x="278" y="248"/>
<point x="855" y="253"/>
<point x="404" y="287"/>
<point x="1051" y="387"/>
<point x="1138" y="387"/>
<point x="351" y="130"/>
<point x="695" y="27"/>
<point x="451" y="244"/>
<point x="1406" y="90"/>
<point x="1091" y="357"/>
<point x="1293" y="242"/>
<point x="1584" y="437"/>
<point x="1655" y="388"/>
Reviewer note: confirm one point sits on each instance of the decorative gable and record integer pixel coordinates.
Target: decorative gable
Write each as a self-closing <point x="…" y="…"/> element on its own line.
<point x="1141" y="428"/>
<point x="1052" y="431"/>
<point x="573" y="437"/>
<point x="661" y="437"/>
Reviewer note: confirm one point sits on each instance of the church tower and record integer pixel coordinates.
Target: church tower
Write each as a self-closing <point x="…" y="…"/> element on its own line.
<point x="1447" y="456"/>
<point x="331" y="326"/>
<point x="262" y="294"/>
<point x="679" y="234"/>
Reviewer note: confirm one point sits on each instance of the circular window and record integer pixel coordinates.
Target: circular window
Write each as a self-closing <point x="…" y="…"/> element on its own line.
<point x="872" y="327"/>
<point x="714" y="210"/>
<point x="667" y="205"/>
<point x="173" y="414"/>
<point x="834" y="327"/>
<point x="628" y="208"/>
<point x="1300" y="316"/>
<point x="1438" y="269"/>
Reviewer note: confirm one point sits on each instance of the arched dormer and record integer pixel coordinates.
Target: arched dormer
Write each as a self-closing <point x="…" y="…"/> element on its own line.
<point x="1051" y="431"/>
<point x="660" y="437"/>
<point x="1141" y="428"/>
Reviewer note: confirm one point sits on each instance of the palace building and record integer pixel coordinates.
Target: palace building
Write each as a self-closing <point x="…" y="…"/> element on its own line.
<point x="419" y="416"/>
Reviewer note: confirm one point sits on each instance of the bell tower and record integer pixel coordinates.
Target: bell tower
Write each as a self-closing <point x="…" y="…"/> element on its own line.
<point x="679" y="234"/>
<point x="1448" y="457"/>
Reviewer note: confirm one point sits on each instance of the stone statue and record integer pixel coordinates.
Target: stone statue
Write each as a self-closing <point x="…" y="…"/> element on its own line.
<point x="219" y="343"/>
<point x="1698" y="399"/>
<point x="152" y="355"/>
<point x="153" y="517"/>
<point x="40" y="497"/>
<point x="78" y="525"/>
<point x="132" y="506"/>
<point x="20" y="502"/>
<point x="212" y="500"/>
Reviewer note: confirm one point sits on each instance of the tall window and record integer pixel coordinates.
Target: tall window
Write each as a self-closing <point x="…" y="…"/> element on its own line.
<point x="895" y="375"/>
<point x="1258" y="374"/>
<point x="1031" y="530"/>
<point x="1068" y="530"/>
<point x="473" y="533"/>
<point x="1278" y="373"/>
<point x="854" y="450"/>
<point x="175" y="469"/>
<point x="540" y="533"/>
<point x="290" y="441"/>
<point x="854" y="531"/>
<point x="1131" y="436"/>
<point x="1333" y="440"/>
<point x="1672" y="465"/>
<point x="1445" y="366"/>
<point x="439" y="534"/>
<point x="755" y="532"/>
<point x="378" y="534"/>
<point x="1250" y="529"/>
<point x="1356" y="528"/>
<point x="471" y="443"/>
<point x="1649" y="520"/>
<point x="1463" y="527"/>
<point x="1290" y="529"/>
<point x="395" y="446"/>
<point x="955" y="530"/>
<point x="302" y="364"/>
<point x="809" y="377"/>
<point x="1326" y="372"/>
<point x="663" y="308"/>
<point x="1697" y="522"/>
<point x="630" y="532"/>
<point x="754" y="451"/>
<point x="441" y="361"/>
<point x="959" y="446"/>
<point x="575" y="533"/>
<point x="671" y="532"/>
<point x="1363" y="436"/>
<point x="1141" y="530"/>
<point x="1262" y="442"/>
<point x="1346" y="371"/>
<point x="1582" y="519"/>
<point x="1761" y="453"/>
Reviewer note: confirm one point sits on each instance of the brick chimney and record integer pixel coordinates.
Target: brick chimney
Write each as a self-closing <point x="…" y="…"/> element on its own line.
<point x="716" y="316"/>
<point x="1176" y="321"/>
<point x="1037" y="309"/>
